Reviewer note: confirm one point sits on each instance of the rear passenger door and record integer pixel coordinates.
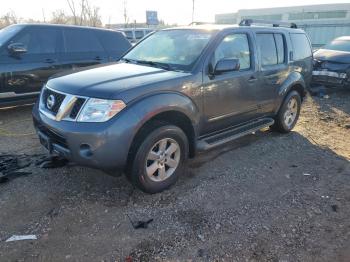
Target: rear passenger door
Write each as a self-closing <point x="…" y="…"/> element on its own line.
<point x="273" y="68"/>
<point x="230" y="98"/>
<point x="82" y="48"/>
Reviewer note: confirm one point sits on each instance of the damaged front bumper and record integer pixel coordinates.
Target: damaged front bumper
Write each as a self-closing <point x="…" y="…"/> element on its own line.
<point x="331" y="78"/>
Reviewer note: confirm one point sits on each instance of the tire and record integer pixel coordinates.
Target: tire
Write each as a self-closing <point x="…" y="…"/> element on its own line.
<point x="288" y="116"/>
<point x="152" y="170"/>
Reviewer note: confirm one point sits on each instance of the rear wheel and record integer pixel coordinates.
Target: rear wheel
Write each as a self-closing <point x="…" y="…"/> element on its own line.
<point x="288" y="114"/>
<point x="160" y="159"/>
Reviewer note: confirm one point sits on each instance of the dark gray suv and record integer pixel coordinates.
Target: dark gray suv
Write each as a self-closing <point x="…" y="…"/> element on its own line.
<point x="177" y="92"/>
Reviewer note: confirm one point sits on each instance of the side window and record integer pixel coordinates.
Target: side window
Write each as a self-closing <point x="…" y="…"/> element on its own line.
<point x="114" y="42"/>
<point x="235" y="46"/>
<point x="81" y="40"/>
<point x="38" y="40"/>
<point x="301" y="46"/>
<point x="280" y="48"/>
<point x="268" y="52"/>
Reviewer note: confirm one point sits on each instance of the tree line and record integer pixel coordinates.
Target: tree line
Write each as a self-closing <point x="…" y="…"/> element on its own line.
<point x="81" y="12"/>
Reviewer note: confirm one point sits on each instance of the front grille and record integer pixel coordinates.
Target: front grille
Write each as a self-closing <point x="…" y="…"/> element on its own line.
<point x="77" y="106"/>
<point x="58" y="100"/>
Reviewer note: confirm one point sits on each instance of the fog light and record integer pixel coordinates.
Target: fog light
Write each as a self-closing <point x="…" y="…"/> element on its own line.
<point x="85" y="151"/>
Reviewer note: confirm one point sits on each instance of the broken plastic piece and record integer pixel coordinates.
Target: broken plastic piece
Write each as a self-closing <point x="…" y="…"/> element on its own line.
<point x="21" y="237"/>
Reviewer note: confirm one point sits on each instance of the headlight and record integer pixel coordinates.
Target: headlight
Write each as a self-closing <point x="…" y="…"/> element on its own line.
<point x="100" y="110"/>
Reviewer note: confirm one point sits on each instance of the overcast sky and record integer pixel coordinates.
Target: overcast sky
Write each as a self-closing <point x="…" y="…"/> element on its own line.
<point x="171" y="11"/>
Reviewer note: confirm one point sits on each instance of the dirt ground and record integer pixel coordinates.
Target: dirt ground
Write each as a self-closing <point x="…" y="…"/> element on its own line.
<point x="265" y="197"/>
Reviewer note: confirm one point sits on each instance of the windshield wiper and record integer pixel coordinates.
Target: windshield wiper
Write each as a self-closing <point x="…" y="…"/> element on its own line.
<point x="127" y="60"/>
<point x="155" y="64"/>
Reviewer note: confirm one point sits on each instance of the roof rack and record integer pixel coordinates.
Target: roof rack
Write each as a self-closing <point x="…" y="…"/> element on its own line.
<point x="249" y="22"/>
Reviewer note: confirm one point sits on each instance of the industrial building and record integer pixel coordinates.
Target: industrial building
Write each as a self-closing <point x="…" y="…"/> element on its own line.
<point x="322" y="22"/>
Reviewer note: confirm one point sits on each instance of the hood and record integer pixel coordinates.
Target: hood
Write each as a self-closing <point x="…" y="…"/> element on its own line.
<point x="109" y="81"/>
<point x="332" y="56"/>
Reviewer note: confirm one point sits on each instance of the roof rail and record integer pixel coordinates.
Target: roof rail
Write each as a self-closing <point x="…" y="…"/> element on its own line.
<point x="249" y="22"/>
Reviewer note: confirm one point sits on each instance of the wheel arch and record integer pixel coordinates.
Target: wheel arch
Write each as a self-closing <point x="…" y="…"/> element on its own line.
<point x="169" y="108"/>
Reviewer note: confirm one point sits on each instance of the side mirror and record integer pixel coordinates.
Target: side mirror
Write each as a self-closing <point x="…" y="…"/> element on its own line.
<point x="17" y="48"/>
<point x="226" y="65"/>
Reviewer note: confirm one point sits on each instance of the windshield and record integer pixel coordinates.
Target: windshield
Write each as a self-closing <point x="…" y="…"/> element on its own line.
<point x="8" y="32"/>
<point x="338" y="45"/>
<point x="178" y="49"/>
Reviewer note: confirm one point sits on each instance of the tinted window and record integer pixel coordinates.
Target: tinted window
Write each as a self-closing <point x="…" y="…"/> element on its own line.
<point x="138" y="34"/>
<point x="268" y="52"/>
<point x="8" y="32"/>
<point x="114" y="42"/>
<point x="280" y="48"/>
<point x="235" y="46"/>
<point x="38" y="40"/>
<point x="301" y="46"/>
<point x="80" y="40"/>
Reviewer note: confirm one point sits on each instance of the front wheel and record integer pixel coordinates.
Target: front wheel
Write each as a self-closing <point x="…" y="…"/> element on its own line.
<point x="160" y="159"/>
<point x="288" y="114"/>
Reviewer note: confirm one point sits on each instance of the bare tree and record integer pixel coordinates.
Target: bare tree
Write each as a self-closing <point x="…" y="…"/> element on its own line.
<point x="60" y="17"/>
<point x="8" y="19"/>
<point x="71" y="4"/>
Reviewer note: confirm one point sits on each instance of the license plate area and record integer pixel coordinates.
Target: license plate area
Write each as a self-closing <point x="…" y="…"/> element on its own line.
<point x="45" y="141"/>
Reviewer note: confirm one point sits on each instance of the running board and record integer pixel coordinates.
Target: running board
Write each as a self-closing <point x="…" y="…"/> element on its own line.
<point x="232" y="133"/>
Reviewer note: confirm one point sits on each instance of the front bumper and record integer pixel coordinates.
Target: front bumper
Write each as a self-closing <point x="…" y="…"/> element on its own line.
<point x="330" y="78"/>
<point x="99" y="145"/>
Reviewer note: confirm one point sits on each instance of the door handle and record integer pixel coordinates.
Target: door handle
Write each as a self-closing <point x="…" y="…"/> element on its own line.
<point x="252" y="79"/>
<point x="97" y="58"/>
<point x="50" y="61"/>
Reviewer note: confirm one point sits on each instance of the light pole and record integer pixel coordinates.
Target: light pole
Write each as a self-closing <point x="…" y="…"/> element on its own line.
<point x="192" y="10"/>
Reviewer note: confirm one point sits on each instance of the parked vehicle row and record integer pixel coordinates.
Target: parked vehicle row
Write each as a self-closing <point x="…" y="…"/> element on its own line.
<point x="135" y="34"/>
<point x="31" y="53"/>
<point x="175" y="93"/>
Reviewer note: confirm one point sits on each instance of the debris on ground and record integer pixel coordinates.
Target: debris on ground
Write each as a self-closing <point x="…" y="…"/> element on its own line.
<point x="21" y="237"/>
<point x="140" y="223"/>
<point x="52" y="162"/>
<point x="11" y="166"/>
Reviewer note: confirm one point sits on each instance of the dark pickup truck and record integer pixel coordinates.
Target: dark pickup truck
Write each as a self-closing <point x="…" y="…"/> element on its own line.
<point x="177" y="92"/>
<point x="31" y="53"/>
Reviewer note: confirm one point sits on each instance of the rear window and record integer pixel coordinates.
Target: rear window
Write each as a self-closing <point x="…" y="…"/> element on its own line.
<point x="301" y="46"/>
<point x="113" y="42"/>
<point x="81" y="40"/>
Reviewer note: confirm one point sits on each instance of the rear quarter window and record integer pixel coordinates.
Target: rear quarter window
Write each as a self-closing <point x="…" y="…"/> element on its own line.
<point x="114" y="42"/>
<point x="301" y="46"/>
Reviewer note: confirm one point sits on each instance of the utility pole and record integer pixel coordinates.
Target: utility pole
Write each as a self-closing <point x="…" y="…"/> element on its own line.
<point x="192" y="10"/>
<point x="125" y="14"/>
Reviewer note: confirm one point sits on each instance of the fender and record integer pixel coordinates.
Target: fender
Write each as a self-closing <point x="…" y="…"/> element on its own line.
<point x="150" y="106"/>
<point x="294" y="79"/>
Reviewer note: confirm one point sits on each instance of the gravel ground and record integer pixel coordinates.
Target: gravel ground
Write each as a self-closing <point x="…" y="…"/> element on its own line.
<point x="265" y="197"/>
